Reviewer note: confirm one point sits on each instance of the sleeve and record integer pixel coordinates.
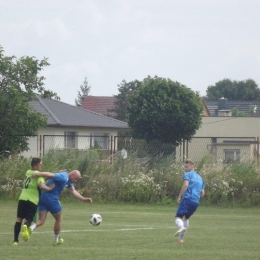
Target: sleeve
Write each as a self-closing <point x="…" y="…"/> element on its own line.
<point x="40" y="179"/>
<point x="186" y="176"/>
<point x="61" y="177"/>
<point x="70" y="184"/>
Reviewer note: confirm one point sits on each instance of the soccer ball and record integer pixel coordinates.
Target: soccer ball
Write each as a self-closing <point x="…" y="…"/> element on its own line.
<point x="95" y="219"/>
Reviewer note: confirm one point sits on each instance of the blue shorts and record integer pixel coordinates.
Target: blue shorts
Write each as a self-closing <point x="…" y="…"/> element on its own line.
<point x="49" y="204"/>
<point x="186" y="208"/>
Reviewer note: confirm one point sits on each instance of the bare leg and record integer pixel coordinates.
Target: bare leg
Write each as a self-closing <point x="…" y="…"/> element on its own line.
<point x="57" y="225"/>
<point x="41" y="218"/>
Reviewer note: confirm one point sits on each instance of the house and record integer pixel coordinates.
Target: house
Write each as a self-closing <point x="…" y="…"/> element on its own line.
<point x="223" y="137"/>
<point x="100" y="104"/>
<point x="70" y="127"/>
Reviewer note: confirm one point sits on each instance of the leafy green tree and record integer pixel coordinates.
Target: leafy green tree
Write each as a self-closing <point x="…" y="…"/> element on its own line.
<point x="83" y="92"/>
<point x="19" y="82"/>
<point x="164" y="110"/>
<point x="234" y="90"/>
<point x="125" y="90"/>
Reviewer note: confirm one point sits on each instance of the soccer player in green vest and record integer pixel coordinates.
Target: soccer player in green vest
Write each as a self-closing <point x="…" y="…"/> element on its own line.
<point x="29" y="198"/>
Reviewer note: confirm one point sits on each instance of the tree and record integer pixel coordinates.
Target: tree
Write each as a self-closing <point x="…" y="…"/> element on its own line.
<point x="164" y="110"/>
<point x="234" y="90"/>
<point x="83" y="92"/>
<point x="19" y="80"/>
<point x="125" y="90"/>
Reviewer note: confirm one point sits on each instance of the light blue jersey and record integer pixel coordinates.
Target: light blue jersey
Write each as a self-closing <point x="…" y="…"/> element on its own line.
<point x="49" y="200"/>
<point x="61" y="181"/>
<point x="196" y="184"/>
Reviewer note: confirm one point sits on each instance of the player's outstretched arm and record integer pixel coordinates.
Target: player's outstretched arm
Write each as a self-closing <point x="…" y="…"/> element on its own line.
<point x="77" y="195"/>
<point x="47" y="175"/>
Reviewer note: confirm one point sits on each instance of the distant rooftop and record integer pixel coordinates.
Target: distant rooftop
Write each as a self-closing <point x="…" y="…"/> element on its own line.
<point x="243" y="106"/>
<point x="62" y="114"/>
<point x="100" y="104"/>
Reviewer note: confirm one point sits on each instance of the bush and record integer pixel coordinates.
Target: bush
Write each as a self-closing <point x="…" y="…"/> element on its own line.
<point x="133" y="181"/>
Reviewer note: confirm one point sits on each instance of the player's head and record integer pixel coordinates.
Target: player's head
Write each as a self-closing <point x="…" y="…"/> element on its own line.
<point x="74" y="176"/>
<point x="36" y="164"/>
<point x="188" y="165"/>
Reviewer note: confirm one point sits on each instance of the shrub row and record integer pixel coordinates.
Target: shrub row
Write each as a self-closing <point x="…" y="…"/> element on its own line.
<point x="155" y="180"/>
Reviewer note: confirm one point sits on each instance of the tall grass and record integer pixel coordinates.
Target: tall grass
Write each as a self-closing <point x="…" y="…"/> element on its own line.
<point x="153" y="180"/>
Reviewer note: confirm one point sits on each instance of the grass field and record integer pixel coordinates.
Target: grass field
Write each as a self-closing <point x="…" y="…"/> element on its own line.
<point x="136" y="232"/>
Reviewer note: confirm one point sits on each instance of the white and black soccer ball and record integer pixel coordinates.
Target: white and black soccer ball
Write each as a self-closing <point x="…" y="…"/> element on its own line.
<point x="95" y="219"/>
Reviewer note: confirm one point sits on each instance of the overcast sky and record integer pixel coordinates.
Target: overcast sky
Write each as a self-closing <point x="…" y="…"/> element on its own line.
<point x="194" y="42"/>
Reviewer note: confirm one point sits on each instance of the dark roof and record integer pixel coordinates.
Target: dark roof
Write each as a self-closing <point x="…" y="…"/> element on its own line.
<point x="243" y="106"/>
<point x="100" y="105"/>
<point x="62" y="114"/>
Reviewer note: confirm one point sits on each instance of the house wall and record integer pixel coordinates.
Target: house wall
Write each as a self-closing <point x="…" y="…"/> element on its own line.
<point x="221" y="130"/>
<point x="53" y="138"/>
<point x="229" y="127"/>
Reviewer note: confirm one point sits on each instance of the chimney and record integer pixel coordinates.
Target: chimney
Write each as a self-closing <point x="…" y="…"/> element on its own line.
<point x="222" y="103"/>
<point x="222" y="107"/>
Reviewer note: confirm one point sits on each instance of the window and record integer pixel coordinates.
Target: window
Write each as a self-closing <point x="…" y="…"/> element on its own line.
<point x="100" y="141"/>
<point x="232" y="156"/>
<point x="70" y="140"/>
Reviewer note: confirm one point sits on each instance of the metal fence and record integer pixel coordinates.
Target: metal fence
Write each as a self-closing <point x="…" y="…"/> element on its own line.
<point x="224" y="149"/>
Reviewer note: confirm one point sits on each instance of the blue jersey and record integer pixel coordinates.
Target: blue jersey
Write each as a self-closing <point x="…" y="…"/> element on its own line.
<point x="61" y="181"/>
<point x="196" y="184"/>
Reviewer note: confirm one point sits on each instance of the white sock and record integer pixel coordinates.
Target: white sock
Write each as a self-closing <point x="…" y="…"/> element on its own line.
<point x="186" y="225"/>
<point x="56" y="238"/>
<point x="33" y="226"/>
<point x="179" y="223"/>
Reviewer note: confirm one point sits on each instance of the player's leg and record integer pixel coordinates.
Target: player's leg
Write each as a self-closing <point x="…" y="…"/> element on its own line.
<point x="191" y="208"/>
<point x="30" y="212"/>
<point x="18" y="224"/>
<point x="57" y="228"/>
<point x="186" y="225"/>
<point x="181" y="211"/>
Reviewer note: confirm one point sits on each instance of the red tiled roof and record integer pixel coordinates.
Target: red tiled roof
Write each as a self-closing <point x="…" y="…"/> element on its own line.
<point x="100" y="105"/>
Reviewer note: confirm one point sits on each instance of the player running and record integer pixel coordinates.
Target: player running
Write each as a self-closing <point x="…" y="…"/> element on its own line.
<point x="29" y="198"/>
<point x="189" y="198"/>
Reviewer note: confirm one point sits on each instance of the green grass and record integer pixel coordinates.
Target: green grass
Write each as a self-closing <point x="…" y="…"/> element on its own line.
<point x="131" y="231"/>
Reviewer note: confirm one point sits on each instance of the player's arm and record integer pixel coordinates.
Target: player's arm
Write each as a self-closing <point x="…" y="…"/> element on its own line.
<point x="46" y="175"/>
<point x="183" y="189"/>
<point x="202" y="194"/>
<point x="77" y="195"/>
<point x="43" y="186"/>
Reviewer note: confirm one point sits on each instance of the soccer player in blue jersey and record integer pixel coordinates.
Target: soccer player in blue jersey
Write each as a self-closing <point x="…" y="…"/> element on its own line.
<point x="49" y="201"/>
<point x="192" y="190"/>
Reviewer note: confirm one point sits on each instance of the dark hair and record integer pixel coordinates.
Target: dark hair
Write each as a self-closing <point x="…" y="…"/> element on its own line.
<point x="188" y="161"/>
<point x="35" y="161"/>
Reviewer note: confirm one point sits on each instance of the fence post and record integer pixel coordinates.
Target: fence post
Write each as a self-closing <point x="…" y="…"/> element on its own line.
<point x="40" y="145"/>
<point x="43" y="145"/>
<point x="183" y="151"/>
<point x="257" y="156"/>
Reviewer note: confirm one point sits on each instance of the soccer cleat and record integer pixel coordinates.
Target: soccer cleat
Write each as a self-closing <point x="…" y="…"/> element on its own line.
<point x="181" y="241"/>
<point x="15" y="243"/>
<point x="58" y="243"/>
<point x="180" y="231"/>
<point x="25" y="233"/>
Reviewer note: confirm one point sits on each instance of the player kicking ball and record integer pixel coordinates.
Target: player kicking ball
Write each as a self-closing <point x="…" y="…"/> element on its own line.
<point x="189" y="198"/>
<point x="49" y="201"/>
